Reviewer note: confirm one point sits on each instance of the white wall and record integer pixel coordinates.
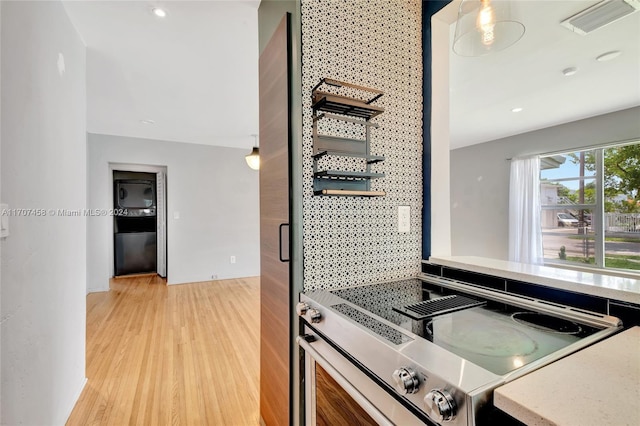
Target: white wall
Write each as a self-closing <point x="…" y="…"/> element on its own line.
<point x="212" y="188"/>
<point x="43" y="259"/>
<point x="1" y="311"/>
<point x="440" y="162"/>
<point x="480" y="177"/>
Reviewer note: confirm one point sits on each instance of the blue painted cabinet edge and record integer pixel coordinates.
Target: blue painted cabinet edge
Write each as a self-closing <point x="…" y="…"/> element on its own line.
<point x="429" y="8"/>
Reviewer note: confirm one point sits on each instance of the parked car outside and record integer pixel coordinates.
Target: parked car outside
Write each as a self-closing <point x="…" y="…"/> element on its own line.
<point x="565" y="219"/>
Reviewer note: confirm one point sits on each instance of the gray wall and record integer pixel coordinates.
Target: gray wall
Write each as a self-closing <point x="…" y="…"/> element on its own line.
<point x="480" y="177"/>
<point x="43" y="258"/>
<point x="1" y="311"/>
<point x="212" y="189"/>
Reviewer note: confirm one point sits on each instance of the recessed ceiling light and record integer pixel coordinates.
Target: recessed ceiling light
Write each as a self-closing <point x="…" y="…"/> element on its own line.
<point x="518" y="109"/>
<point x="569" y="71"/>
<point x="608" y="56"/>
<point x="159" y="12"/>
<point x="147" y="122"/>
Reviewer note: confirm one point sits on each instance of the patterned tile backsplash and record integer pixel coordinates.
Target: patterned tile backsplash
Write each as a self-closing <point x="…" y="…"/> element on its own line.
<point x="378" y="44"/>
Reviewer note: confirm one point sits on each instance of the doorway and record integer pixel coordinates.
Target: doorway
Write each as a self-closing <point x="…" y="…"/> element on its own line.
<point x="139" y="226"/>
<point x="134" y="223"/>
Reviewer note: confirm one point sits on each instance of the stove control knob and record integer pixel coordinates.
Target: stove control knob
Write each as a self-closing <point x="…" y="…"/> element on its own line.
<point x="314" y="315"/>
<point x="440" y="405"/>
<point x="406" y="380"/>
<point x="302" y="308"/>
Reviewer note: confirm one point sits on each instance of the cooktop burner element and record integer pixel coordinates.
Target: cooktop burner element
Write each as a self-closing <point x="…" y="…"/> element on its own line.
<point x="475" y="337"/>
<point x="546" y="322"/>
<point x="493" y="340"/>
<point x="439" y="306"/>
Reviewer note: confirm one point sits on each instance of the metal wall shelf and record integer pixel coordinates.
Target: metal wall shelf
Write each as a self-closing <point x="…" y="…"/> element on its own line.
<point x="343" y="105"/>
<point x="347" y="174"/>
<point x="342" y="118"/>
<point x="371" y="159"/>
<point x="344" y="192"/>
<point x="339" y="144"/>
<point x="358" y="111"/>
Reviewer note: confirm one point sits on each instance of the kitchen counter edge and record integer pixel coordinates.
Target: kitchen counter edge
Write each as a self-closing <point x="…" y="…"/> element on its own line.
<point x="606" y="286"/>
<point x="599" y="385"/>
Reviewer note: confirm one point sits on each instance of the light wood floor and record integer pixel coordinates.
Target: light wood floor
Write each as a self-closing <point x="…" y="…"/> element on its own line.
<point x="172" y="355"/>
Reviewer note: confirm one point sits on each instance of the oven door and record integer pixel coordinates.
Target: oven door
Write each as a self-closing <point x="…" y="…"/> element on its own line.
<point x="337" y="392"/>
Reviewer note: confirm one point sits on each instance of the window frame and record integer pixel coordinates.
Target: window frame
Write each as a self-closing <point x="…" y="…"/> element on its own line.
<point x="598" y="213"/>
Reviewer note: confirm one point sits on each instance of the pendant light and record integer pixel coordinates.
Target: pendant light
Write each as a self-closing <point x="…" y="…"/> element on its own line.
<point x="485" y="26"/>
<point x="253" y="159"/>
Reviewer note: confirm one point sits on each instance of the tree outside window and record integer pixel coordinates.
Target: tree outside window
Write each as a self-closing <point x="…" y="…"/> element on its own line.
<point x="591" y="207"/>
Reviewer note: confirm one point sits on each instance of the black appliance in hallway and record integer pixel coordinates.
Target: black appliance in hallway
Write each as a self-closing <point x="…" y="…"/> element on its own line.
<point x="135" y="239"/>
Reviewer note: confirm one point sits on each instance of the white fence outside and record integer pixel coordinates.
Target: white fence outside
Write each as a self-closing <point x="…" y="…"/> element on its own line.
<point x="622" y="222"/>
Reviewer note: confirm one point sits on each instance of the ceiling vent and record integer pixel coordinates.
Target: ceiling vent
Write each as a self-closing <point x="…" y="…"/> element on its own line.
<point x="599" y="15"/>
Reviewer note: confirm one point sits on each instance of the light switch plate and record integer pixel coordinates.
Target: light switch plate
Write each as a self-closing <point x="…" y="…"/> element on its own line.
<point x="404" y="219"/>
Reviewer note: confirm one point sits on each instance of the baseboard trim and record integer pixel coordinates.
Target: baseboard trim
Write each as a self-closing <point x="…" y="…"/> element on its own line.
<point x="96" y="290"/>
<point x="146" y="274"/>
<point x="75" y="400"/>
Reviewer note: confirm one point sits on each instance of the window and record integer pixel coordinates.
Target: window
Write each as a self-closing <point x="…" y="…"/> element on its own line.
<point x="591" y="207"/>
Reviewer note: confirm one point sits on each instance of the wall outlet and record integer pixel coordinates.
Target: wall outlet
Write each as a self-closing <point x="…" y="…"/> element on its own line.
<point x="214" y="277"/>
<point x="404" y="219"/>
<point x="232" y="259"/>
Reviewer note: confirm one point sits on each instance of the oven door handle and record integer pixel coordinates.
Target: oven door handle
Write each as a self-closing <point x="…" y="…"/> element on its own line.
<point x="344" y="383"/>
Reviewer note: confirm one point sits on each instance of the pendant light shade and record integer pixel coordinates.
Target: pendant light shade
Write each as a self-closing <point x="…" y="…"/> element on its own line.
<point x="485" y="26"/>
<point x="253" y="158"/>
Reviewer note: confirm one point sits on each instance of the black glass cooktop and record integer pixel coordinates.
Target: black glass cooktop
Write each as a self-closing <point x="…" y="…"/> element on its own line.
<point x="497" y="337"/>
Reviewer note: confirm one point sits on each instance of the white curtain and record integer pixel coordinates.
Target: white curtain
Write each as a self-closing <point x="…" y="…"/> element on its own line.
<point x="525" y="234"/>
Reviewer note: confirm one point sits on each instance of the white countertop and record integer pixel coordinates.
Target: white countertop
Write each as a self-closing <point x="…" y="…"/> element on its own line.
<point x="607" y="286"/>
<point x="599" y="385"/>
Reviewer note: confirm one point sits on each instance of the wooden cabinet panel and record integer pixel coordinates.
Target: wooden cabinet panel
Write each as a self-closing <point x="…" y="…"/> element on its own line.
<point x="334" y="406"/>
<point x="275" y="289"/>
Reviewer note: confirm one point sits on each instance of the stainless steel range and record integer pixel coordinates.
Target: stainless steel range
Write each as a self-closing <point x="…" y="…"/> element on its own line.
<point x="432" y="350"/>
